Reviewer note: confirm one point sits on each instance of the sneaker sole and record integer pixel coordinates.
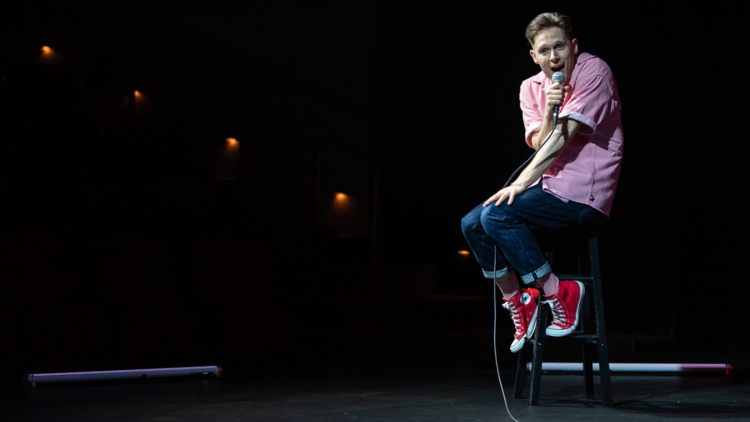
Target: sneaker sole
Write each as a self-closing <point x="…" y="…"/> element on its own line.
<point x="532" y="325"/>
<point x="552" y="332"/>
<point x="514" y="347"/>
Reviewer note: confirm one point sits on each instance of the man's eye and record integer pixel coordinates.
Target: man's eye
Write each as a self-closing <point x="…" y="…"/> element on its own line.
<point x="543" y="51"/>
<point x="560" y="47"/>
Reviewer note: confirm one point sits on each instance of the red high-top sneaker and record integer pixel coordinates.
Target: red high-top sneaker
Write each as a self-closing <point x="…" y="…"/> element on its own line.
<point x="523" y="308"/>
<point x="566" y="305"/>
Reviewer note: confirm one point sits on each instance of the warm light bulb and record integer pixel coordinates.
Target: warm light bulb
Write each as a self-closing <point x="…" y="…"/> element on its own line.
<point x="463" y="252"/>
<point x="341" y="196"/>
<point x="46" y="49"/>
<point x="137" y="93"/>
<point x="232" y="141"/>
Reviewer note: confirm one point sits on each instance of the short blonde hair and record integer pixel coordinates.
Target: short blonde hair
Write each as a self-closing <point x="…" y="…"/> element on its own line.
<point x="548" y="20"/>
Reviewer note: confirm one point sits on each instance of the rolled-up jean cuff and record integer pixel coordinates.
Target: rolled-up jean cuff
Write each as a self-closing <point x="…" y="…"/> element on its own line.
<point x="538" y="273"/>
<point x="496" y="274"/>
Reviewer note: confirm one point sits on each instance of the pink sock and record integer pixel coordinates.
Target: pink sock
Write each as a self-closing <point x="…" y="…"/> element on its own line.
<point x="509" y="287"/>
<point x="549" y="284"/>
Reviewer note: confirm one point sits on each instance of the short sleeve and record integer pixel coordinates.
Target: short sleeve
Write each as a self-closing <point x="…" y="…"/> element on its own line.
<point x="592" y="101"/>
<point x="532" y="118"/>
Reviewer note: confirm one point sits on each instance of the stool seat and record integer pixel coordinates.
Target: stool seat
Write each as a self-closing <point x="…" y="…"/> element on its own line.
<point x="588" y="231"/>
<point x="589" y="332"/>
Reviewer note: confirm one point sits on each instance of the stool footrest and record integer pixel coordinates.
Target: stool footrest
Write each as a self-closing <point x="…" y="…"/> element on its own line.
<point x="584" y="336"/>
<point x="574" y="277"/>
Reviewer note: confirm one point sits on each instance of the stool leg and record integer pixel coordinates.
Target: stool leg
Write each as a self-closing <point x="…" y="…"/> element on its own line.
<point x="588" y="368"/>
<point x="600" y="327"/>
<point x="587" y="347"/>
<point x="520" y="374"/>
<point x="536" y="365"/>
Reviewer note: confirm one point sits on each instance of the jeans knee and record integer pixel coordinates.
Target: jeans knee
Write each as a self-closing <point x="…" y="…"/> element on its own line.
<point x="485" y="217"/>
<point x="469" y="221"/>
<point x="493" y="216"/>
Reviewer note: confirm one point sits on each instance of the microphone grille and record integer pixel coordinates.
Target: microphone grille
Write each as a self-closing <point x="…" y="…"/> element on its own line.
<point x="558" y="77"/>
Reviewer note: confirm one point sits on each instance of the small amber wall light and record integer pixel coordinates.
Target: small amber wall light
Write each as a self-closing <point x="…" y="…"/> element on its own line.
<point x="341" y="201"/>
<point x="232" y="142"/>
<point x="462" y="252"/>
<point x="47" y="54"/>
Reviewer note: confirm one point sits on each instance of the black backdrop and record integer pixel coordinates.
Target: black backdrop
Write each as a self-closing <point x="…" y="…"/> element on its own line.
<point x="113" y="216"/>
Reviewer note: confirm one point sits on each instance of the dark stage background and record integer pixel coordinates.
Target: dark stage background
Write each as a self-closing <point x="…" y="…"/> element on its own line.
<point x="134" y="234"/>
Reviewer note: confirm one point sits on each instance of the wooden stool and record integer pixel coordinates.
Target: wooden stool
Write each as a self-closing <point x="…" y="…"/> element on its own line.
<point x="591" y="333"/>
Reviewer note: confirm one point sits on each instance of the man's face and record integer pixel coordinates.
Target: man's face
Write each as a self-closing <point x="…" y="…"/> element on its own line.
<point x="554" y="52"/>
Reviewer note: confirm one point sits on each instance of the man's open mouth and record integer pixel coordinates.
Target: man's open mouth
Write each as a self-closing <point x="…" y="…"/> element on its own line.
<point x="558" y="68"/>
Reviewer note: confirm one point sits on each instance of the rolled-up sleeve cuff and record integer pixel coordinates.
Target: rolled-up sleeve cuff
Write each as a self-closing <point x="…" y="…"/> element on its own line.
<point x="534" y="127"/>
<point x="579" y="118"/>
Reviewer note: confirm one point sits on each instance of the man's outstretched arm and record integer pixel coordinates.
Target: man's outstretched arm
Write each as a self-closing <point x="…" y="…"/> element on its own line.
<point x="546" y="156"/>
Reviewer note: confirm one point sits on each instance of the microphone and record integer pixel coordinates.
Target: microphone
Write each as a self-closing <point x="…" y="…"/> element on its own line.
<point x="557" y="77"/>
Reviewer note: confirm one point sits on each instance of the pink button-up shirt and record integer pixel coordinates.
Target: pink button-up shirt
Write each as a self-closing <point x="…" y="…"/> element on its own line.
<point x="588" y="168"/>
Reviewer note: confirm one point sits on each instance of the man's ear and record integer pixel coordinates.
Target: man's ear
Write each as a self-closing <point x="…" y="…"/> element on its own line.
<point x="575" y="45"/>
<point x="533" y="56"/>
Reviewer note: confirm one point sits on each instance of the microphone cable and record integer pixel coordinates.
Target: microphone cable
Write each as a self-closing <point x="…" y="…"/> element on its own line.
<point x="507" y="182"/>
<point x="494" y="271"/>
<point x="494" y="336"/>
<point x="557" y="78"/>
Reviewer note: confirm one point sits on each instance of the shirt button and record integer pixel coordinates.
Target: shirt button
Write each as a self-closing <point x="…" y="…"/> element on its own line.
<point x="592" y="198"/>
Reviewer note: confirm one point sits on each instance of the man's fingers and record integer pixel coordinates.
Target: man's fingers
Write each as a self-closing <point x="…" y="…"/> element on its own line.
<point x="501" y="200"/>
<point x="501" y="196"/>
<point x="490" y="200"/>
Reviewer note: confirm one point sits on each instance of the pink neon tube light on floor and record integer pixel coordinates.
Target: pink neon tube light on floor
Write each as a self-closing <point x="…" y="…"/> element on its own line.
<point x="639" y="367"/>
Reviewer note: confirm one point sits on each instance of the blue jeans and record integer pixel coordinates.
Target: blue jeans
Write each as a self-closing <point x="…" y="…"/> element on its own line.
<point x="512" y="227"/>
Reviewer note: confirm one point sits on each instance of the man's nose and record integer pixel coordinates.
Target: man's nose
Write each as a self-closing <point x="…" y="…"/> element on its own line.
<point x="553" y="55"/>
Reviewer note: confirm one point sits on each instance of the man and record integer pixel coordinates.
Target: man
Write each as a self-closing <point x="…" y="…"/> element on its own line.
<point x="578" y="165"/>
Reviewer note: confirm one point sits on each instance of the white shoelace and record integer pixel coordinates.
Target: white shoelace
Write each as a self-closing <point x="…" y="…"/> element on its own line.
<point x="558" y="312"/>
<point x="510" y="306"/>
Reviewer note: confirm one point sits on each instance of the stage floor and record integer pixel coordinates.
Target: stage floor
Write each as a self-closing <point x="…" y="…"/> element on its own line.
<point x="429" y="393"/>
